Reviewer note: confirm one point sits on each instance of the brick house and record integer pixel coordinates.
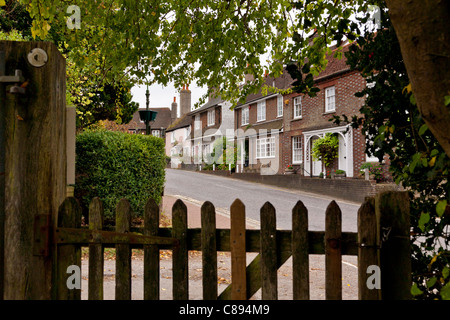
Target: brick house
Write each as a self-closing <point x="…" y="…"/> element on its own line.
<point x="210" y="122"/>
<point x="259" y="129"/>
<point x="296" y="121"/>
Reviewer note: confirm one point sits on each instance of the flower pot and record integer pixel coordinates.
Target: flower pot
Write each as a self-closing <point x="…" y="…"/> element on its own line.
<point x="289" y="172"/>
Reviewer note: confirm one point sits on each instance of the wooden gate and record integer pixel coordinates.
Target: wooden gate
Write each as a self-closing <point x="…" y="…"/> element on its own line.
<point x="382" y="241"/>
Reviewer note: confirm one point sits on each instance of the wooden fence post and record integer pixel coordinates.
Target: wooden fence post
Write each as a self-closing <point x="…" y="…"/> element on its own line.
<point x="96" y="260"/>
<point x="333" y="256"/>
<point x="67" y="255"/>
<point x="180" y="252"/>
<point x="151" y="252"/>
<point x="269" y="290"/>
<point x="123" y="252"/>
<point x="300" y="252"/>
<point x="368" y="249"/>
<point x="35" y="165"/>
<point x="238" y="251"/>
<point x="209" y="251"/>
<point x="392" y="209"/>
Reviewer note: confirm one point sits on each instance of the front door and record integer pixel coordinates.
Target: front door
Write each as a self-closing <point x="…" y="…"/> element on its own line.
<point x="316" y="165"/>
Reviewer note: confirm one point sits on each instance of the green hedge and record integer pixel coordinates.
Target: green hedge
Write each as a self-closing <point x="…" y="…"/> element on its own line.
<point x="115" y="165"/>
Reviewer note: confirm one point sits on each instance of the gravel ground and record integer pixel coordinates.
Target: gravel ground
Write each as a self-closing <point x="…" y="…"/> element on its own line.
<point x="317" y="277"/>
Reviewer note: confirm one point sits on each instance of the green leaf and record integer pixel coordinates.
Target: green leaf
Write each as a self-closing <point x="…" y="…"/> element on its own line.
<point x="445" y="292"/>
<point x="431" y="282"/>
<point x="440" y="207"/>
<point x="2" y="3"/>
<point x="423" y="220"/>
<point x="447" y="100"/>
<point x="413" y="164"/>
<point x="423" y="129"/>
<point x="415" y="291"/>
<point x="445" y="272"/>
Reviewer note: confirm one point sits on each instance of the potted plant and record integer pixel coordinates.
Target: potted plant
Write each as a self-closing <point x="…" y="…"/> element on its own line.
<point x="339" y="174"/>
<point x="325" y="149"/>
<point x="290" y="170"/>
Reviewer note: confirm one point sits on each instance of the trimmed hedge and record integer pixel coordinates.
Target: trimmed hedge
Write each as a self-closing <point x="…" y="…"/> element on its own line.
<point x="115" y="165"/>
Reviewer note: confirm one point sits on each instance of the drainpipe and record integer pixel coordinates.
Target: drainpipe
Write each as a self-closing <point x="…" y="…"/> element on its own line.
<point x="2" y="173"/>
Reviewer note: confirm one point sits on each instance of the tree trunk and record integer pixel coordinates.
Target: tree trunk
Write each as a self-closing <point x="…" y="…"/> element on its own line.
<point x="422" y="28"/>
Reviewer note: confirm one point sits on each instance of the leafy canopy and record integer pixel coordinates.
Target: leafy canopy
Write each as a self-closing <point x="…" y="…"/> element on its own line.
<point x="214" y="42"/>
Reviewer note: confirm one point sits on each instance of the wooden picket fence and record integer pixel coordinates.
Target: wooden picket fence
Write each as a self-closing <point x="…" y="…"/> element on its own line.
<point x="274" y="246"/>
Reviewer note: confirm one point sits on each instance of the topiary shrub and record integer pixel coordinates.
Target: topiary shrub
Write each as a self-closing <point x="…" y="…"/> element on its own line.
<point x="115" y="165"/>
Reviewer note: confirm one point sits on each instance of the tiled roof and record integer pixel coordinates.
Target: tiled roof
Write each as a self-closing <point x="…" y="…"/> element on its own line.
<point x="285" y="81"/>
<point x="182" y="122"/>
<point x="163" y="118"/>
<point x="210" y="103"/>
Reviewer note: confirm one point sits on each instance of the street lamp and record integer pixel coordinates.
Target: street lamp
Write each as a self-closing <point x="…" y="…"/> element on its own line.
<point x="147" y="115"/>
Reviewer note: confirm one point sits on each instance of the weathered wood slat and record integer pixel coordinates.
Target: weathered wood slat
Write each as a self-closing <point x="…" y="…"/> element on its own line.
<point x="180" y="252"/>
<point x="109" y="238"/>
<point x="393" y="210"/>
<point x="333" y="256"/>
<point x="268" y="253"/>
<point x="69" y="215"/>
<point x="209" y="251"/>
<point x="368" y="250"/>
<point x="300" y="252"/>
<point x="123" y="252"/>
<point x="151" y="252"/>
<point x="238" y="252"/>
<point x="165" y="239"/>
<point x="96" y="260"/>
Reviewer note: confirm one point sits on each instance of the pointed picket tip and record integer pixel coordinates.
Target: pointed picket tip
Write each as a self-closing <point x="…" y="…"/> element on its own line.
<point x="179" y="204"/>
<point x="237" y="204"/>
<point x="151" y="204"/>
<point x="300" y="207"/>
<point x="333" y="207"/>
<point x="208" y="205"/>
<point x="96" y="217"/>
<point x="268" y="206"/>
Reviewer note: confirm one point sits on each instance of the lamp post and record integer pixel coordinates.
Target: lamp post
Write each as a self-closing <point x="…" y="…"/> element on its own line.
<point x="147" y="122"/>
<point x="147" y="115"/>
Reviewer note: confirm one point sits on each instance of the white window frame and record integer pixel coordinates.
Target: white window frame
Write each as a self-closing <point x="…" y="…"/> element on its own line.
<point x="211" y="117"/>
<point x="206" y="149"/>
<point x="330" y="99"/>
<point x="297" y="150"/>
<point x="197" y="122"/>
<point x="156" y="133"/>
<point x="265" y="148"/>
<point x="280" y="106"/>
<point x="298" y="112"/>
<point x="261" y="111"/>
<point x="245" y="116"/>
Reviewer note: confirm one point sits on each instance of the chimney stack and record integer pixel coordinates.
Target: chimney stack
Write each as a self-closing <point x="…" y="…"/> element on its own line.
<point x="174" y="113"/>
<point x="248" y="77"/>
<point x="185" y="100"/>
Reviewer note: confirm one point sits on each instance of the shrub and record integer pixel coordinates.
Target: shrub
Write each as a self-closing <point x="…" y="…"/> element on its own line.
<point x="115" y="165"/>
<point x="375" y="169"/>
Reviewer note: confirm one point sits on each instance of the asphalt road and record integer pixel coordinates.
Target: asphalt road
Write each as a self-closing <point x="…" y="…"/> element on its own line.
<point x="222" y="191"/>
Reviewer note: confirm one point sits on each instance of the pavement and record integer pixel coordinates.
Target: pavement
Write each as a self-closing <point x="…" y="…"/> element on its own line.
<point x="317" y="266"/>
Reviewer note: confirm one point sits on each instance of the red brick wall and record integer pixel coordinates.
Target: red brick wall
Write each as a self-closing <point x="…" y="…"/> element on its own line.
<point x="314" y="116"/>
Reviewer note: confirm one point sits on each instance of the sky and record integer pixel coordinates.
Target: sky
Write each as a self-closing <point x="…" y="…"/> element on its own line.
<point x="162" y="97"/>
